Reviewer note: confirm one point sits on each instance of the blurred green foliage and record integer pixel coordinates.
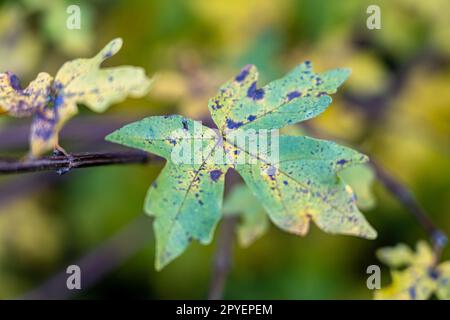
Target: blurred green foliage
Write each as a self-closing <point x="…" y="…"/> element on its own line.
<point x="395" y="106"/>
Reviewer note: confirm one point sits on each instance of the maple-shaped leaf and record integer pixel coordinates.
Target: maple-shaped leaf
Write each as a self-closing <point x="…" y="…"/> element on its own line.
<point x="297" y="186"/>
<point x="420" y="277"/>
<point x="51" y="102"/>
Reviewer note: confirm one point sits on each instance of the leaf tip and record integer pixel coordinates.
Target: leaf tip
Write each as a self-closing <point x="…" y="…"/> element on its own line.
<point x="159" y="265"/>
<point x="110" y="49"/>
<point x="113" y="136"/>
<point x="245" y="71"/>
<point x="346" y="72"/>
<point x="372" y="234"/>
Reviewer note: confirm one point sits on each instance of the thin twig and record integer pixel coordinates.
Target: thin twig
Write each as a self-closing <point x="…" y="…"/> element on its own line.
<point x="64" y="163"/>
<point x="437" y="237"/>
<point x="222" y="258"/>
<point x="99" y="262"/>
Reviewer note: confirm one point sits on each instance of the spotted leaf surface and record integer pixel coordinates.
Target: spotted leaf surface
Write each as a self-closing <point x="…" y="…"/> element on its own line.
<point x="186" y="199"/>
<point x="294" y="178"/>
<point x="420" y="277"/>
<point x="298" y="96"/>
<point x="51" y="102"/>
<point x="303" y="186"/>
<point x="20" y="102"/>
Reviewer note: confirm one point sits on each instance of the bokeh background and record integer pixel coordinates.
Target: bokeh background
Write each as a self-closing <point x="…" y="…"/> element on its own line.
<point x="396" y="106"/>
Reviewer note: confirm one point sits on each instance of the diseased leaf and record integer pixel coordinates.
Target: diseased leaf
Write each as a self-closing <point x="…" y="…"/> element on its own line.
<point x="293" y="177"/>
<point x="53" y="102"/>
<point x="421" y="278"/>
<point x="253" y="223"/>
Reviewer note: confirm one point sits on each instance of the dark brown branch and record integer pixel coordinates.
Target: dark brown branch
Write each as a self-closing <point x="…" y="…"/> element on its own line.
<point x="222" y="258"/>
<point x="63" y="164"/>
<point x="437" y="237"/>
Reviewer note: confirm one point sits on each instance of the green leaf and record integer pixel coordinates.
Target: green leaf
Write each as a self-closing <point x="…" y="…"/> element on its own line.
<point x="53" y="102"/>
<point x="253" y="223"/>
<point x="360" y="178"/>
<point x="420" y="279"/>
<point x="298" y="186"/>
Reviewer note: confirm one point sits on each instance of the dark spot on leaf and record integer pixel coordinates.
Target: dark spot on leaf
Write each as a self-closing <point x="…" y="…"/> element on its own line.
<point x="412" y="293"/>
<point x="216" y="105"/>
<point x="59" y="100"/>
<point x="243" y="74"/>
<point x="233" y="125"/>
<point x="254" y="93"/>
<point x="341" y="162"/>
<point x="433" y="273"/>
<point x="292" y="95"/>
<point x="215" y="175"/>
<point x="285" y="182"/>
<point x="45" y="125"/>
<point x="200" y="202"/>
<point x="271" y="171"/>
<point x="57" y="85"/>
<point x="107" y="55"/>
<point x="185" y="124"/>
<point x="14" y="82"/>
<point x="251" y="117"/>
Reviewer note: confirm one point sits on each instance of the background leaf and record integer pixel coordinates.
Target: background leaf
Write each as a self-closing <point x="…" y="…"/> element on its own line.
<point x="253" y="219"/>
<point x="421" y="278"/>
